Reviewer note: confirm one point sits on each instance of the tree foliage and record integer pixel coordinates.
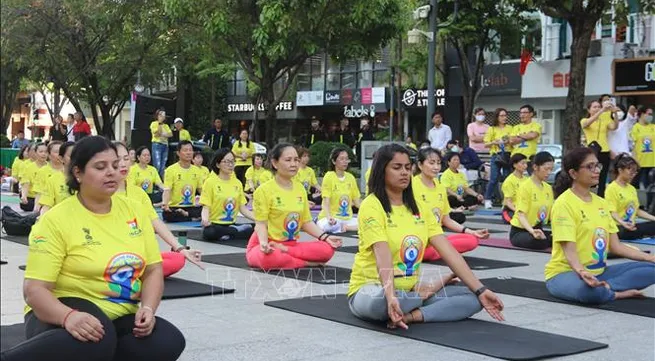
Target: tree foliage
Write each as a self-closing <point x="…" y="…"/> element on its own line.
<point x="271" y="39"/>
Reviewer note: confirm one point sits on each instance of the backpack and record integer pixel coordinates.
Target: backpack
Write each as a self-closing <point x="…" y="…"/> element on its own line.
<point x="15" y="224"/>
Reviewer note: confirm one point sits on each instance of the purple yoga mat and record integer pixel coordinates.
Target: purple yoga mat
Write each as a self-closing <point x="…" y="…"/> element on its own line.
<point x="505" y="243"/>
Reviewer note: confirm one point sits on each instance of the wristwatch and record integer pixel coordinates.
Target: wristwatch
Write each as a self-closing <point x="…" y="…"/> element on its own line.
<point x="480" y="290"/>
<point x="180" y="248"/>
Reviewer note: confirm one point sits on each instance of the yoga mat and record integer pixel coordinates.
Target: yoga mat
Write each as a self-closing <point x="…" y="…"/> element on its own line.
<point x="485" y="220"/>
<point x="505" y="243"/>
<point x="322" y="275"/>
<point x="189" y="224"/>
<point x="9" y="200"/>
<point x="647" y="241"/>
<point x="197" y="235"/>
<point x="488" y="212"/>
<point x="537" y="290"/>
<point x="24" y="240"/>
<point x="180" y="288"/>
<point x="11" y="335"/>
<point x="493" y="339"/>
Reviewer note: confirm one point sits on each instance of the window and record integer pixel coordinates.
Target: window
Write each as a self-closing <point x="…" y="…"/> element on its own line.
<point x="532" y="39"/>
<point x="304" y="77"/>
<point x="349" y="75"/>
<point x="381" y="78"/>
<point x="237" y="85"/>
<point x="318" y="72"/>
<point x="333" y="78"/>
<point x="365" y="75"/>
<point x="606" y="25"/>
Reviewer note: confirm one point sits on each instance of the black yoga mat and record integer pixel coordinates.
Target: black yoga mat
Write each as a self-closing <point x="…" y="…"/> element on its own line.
<point x="322" y="275"/>
<point x="474" y="263"/>
<point x="24" y="240"/>
<point x="180" y="288"/>
<point x="11" y="335"/>
<point x="537" y="290"/>
<point x="197" y="235"/>
<point x="487" y="338"/>
<point x="486" y="220"/>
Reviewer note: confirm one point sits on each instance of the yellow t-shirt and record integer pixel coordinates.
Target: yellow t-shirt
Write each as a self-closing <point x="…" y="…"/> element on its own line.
<point x="341" y="192"/>
<point x="257" y="176"/>
<point x="495" y="134"/>
<point x="456" y="182"/>
<point x="511" y="185"/>
<point x="164" y="127"/>
<point x="285" y="210"/>
<point x="30" y="175"/>
<point x="144" y="178"/>
<point x="183" y="184"/>
<point x="597" y="131"/>
<point x="42" y="176"/>
<point x="185" y="135"/>
<point x="589" y="225"/>
<point x="15" y="168"/>
<point x="526" y="147"/>
<point x="138" y="195"/>
<point x="204" y="173"/>
<point x="623" y="200"/>
<point x="223" y="197"/>
<point x="98" y="257"/>
<point x="406" y="234"/>
<point x="244" y="148"/>
<point x="411" y="145"/>
<point x="643" y="136"/>
<point x="366" y="176"/>
<point x="435" y="199"/>
<point x="534" y="202"/>
<point x="54" y="190"/>
<point x="306" y="177"/>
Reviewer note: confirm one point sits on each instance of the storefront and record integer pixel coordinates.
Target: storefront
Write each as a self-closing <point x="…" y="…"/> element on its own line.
<point x="634" y="79"/>
<point x="414" y="103"/>
<point x="240" y="113"/>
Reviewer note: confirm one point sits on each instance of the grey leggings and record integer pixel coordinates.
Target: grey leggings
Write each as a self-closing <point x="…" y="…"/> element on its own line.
<point x="451" y="303"/>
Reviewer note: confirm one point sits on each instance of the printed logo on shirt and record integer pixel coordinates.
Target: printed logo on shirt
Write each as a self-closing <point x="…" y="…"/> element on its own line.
<point x="278" y="200"/>
<point x="306" y="185"/>
<point x="599" y="242"/>
<point x="542" y="215"/>
<point x="646" y="145"/>
<point x="344" y="202"/>
<point x="410" y="249"/>
<point x="187" y="195"/>
<point x="122" y="276"/>
<point x="135" y="231"/>
<point x="37" y="240"/>
<point x="88" y="238"/>
<point x="371" y="222"/>
<point x="437" y="214"/>
<point x="229" y="206"/>
<point x="629" y="212"/>
<point x="460" y="190"/>
<point x="291" y="226"/>
<point x="145" y="184"/>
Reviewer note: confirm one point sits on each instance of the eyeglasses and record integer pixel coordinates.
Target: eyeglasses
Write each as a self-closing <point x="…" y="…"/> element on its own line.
<point x="593" y="167"/>
<point x="227" y="162"/>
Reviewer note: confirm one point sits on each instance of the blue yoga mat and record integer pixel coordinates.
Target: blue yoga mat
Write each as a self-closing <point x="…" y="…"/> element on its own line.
<point x="648" y="241"/>
<point x="488" y="212"/>
<point x="190" y="224"/>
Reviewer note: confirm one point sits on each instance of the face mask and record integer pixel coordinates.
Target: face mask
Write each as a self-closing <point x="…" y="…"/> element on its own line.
<point x="649" y="119"/>
<point x="479" y="118"/>
<point x="454" y="149"/>
<point x="619" y="115"/>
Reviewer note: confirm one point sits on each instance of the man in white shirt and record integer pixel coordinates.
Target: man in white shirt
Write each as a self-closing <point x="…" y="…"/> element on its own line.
<point x="440" y="134"/>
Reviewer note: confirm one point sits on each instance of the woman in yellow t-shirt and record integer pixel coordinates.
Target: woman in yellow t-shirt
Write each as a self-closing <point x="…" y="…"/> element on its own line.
<point x="340" y="194"/>
<point x="256" y="175"/>
<point x="497" y="140"/>
<point x="222" y="199"/>
<point x="281" y="211"/>
<point x="29" y="181"/>
<point x="534" y="201"/>
<point x="95" y="278"/>
<point x="457" y="186"/>
<point x="624" y="201"/>
<point x="160" y="133"/>
<point x="198" y="161"/>
<point x="595" y="128"/>
<point x="395" y="230"/>
<point x="643" y="136"/>
<point x="181" y="183"/>
<point x="511" y="185"/>
<point x="307" y="177"/>
<point x="431" y="194"/>
<point x="145" y="176"/>
<point x="584" y="233"/>
<point x="243" y="149"/>
<point x="17" y="166"/>
<point x="54" y="190"/>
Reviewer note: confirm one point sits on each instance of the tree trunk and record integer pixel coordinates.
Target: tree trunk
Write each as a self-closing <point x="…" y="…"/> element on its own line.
<point x="212" y="108"/>
<point x="271" y="120"/>
<point x="107" y="122"/>
<point x="575" y="99"/>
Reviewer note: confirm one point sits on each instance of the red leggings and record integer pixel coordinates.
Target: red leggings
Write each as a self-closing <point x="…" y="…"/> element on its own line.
<point x="461" y="242"/>
<point x="172" y="262"/>
<point x="297" y="256"/>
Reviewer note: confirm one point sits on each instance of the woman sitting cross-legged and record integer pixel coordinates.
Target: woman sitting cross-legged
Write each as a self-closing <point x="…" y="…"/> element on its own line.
<point x="583" y="235"/>
<point x="281" y="211"/>
<point x="533" y="206"/>
<point x="429" y="193"/>
<point x="457" y="186"/>
<point x="94" y="281"/>
<point x="222" y="199"/>
<point x="624" y="201"/>
<point x="511" y="185"/>
<point x="340" y="192"/>
<point x="394" y="233"/>
<point x="145" y="176"/>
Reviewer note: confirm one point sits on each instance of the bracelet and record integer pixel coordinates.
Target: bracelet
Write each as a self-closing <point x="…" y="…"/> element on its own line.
<point x="321" y="238"/>
<point x="464" y="229"/>
<point x="480" y="290"/>
<point x="63" y="324"/>
<point x="148" y="308"/>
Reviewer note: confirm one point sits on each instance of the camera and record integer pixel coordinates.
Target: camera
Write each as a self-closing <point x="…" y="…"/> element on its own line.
<point x="422" y="12"/>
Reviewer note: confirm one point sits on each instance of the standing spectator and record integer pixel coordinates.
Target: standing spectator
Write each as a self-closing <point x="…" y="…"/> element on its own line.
<point x="182" y="134"/>
<point x="70" y="123"/>
<point x="497" y="140"/>
<point x="525" y="136"/>
<point x="643" y="134"/>
<point x="409" y="143"/>
<point x="632" y="119"/>
<point x="344" y="134"/>
<point x="216" y="137"/>
<point x="58" y="131"/>
<point x="160" y="134"/>
<point x="20" y="140"/>
<point x="81" y="128"/>
<point x="365" y="133"/>
<point x="243" y="150"/>
<point x="315" y="134"/>
<point x="440" y="134"/>
<point x="477" y="129"/>
<point x="619" y="138"/>
<point x="595" y="129"/>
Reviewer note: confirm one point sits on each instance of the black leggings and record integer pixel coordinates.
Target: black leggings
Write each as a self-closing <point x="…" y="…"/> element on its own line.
<point x="519" y="237"/>
<point x="240" y="173"/>
<point x="645" y="229"/>
<point x="469" y="200"/>
<point x="215" y="232"/>
<point x="53" y="343"/>
<point x="458" y="217"/>
<point x="29" y="206"/>
<point x="155" y="197"/>
<point x="604" y="159"/>
<point x="173" y="215"/>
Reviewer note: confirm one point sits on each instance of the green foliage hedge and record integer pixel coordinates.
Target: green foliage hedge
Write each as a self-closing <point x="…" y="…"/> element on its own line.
<point x="320" y="155"/>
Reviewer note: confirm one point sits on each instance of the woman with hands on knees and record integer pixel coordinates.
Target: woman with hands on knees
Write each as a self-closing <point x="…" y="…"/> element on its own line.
<point x="429" y="193"/>
<point x="584" y="233"/>
<point x="511" y="185"/>
<point x="54" y="189"/>
<point x="222" y="199"/>
<point x="395" y="230"/>
<point x="340" y="192"/>
<point x="281" y="211"/>
<point x="93" y="282"/>
<point x="457" y="185"/>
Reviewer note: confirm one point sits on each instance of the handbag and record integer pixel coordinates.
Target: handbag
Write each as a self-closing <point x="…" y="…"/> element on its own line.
<point x="16" y="224"/>
<point x="595" y="146"/>
<point x="503" y="158"/>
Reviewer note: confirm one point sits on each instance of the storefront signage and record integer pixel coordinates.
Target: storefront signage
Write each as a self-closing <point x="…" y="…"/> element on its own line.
<point x="309" y="98"/>
<point x="550" y="79"/>
<point x="561" y="80"/>
<point x="249" y="107"/>
<point x="415" y="98"/>
<point x="352" y="111"/>
<point x="332" y="97"/>
<point x="634" y="76"/>
<point x="503" y="79"/>
<point x="363" y="96"/>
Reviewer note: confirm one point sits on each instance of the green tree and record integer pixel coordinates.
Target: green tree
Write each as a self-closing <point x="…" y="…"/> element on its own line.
<point x="12" y="65"/>
<point x="271" y="39"/>
<point x="582" y="16"/>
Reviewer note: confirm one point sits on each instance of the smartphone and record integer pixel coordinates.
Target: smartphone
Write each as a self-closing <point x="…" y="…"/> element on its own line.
<point x="613" y="101"/>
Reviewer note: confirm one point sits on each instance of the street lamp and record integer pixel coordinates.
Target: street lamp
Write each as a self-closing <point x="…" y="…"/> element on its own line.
<point x="138" y="87"/>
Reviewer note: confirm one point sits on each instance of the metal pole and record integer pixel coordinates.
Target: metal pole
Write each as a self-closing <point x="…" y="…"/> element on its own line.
<point x="432" y="49"/>
<point x="391" y="102"/>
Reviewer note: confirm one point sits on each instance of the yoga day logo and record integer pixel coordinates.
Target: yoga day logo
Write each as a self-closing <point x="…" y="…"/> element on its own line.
<point x="122" y="275"/>
<point x="599" y="243"/>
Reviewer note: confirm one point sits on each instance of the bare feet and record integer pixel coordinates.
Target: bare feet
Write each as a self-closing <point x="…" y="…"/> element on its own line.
<point x="628" y="294"/>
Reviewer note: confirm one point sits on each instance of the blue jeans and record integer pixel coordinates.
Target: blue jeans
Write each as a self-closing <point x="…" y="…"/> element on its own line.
<point x="159" y="157"/>
<point x="621" y="277"/>
<point x="496" y="174"/>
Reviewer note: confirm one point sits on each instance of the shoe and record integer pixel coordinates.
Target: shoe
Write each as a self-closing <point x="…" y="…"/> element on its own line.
<point x="487" y="204"/>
